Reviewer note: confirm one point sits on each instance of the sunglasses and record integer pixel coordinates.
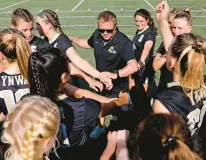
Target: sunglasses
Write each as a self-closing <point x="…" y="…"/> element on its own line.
<point x="106" y="30"/>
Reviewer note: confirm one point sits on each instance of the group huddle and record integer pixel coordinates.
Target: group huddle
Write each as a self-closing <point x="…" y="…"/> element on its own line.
<point x="42" y="108"/>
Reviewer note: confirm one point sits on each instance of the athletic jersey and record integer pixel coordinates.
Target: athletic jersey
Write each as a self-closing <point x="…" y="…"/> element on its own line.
<point x="62" y="42"/>
<point x="139" y="40"/>
<point x="78" y="116"/>
<point x="12" y="89"/>
<point x="166" y="76"/>
<point x="161" y="50"/>
<point x="192" y="109"/>
<point x="38" y="44"/>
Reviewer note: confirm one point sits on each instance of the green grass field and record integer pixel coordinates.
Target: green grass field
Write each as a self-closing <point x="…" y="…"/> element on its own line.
<point x="78" y="17"/>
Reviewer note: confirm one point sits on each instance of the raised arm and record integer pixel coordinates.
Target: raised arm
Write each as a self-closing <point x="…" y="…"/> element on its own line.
<point x="162" y="16"/>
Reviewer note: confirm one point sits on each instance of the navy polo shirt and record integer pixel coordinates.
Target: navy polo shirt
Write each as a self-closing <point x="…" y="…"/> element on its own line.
<point x="114" y="55"/>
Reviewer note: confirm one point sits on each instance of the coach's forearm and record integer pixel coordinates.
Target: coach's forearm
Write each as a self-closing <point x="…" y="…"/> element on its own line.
<point x="81" y="42"/>
<point x="129" y="69"/>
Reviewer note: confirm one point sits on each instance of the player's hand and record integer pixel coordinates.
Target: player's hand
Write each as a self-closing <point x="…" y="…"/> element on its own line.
<point x="162" y="11"/>
<point x="104" y="76"/>
<point x="108" y="83"/>
<point x="96" y="85"/>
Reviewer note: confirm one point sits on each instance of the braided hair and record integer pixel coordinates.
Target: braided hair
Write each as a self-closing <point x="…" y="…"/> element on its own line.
<point x="33" y="121"/>
<point x="45" y="70"/>
<point x="50" y="16"/>
<point x="19" y="14"/>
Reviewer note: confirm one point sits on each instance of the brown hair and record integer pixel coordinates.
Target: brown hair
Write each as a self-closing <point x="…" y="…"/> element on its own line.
<point x="146" y="14"/>
<point x="50" y="16"/>
<point x="176" y="11"/>
<point x="14" y="47"/>
<point x="183" y="14"/>
<point x="23" y="14"/>
<point x="190" y="51"/>
<point x="165" y="137"/>
<point x="107" y="16"/>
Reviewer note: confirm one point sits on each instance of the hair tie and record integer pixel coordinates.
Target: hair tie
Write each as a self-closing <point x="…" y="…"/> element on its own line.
<point x="170" y="142"/>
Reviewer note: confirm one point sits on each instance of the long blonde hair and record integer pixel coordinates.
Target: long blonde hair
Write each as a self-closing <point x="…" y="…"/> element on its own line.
<point x="14" y="47"/>
<point x="34" y="120"/>
<point x="190" y="51"/>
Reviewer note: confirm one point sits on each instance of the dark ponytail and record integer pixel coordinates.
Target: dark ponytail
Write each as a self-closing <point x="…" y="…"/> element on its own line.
<point x="45" y="70"/>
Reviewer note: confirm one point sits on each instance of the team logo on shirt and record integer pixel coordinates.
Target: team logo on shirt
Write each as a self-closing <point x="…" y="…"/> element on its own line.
<point x="140" y="38"/>
<point x="33" y="49"/>
<point x="111" y="50"/>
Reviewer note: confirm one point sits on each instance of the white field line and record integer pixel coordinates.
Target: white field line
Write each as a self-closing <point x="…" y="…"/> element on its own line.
<point x="68" y="17"/>
<point x="150" y="5"/>
<point x="88" y="17"/>
<point x="13" y="5"/>
<point x="98" y="11"/>
<point x="77" y="5"/>
<point x="204" y="10"/>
